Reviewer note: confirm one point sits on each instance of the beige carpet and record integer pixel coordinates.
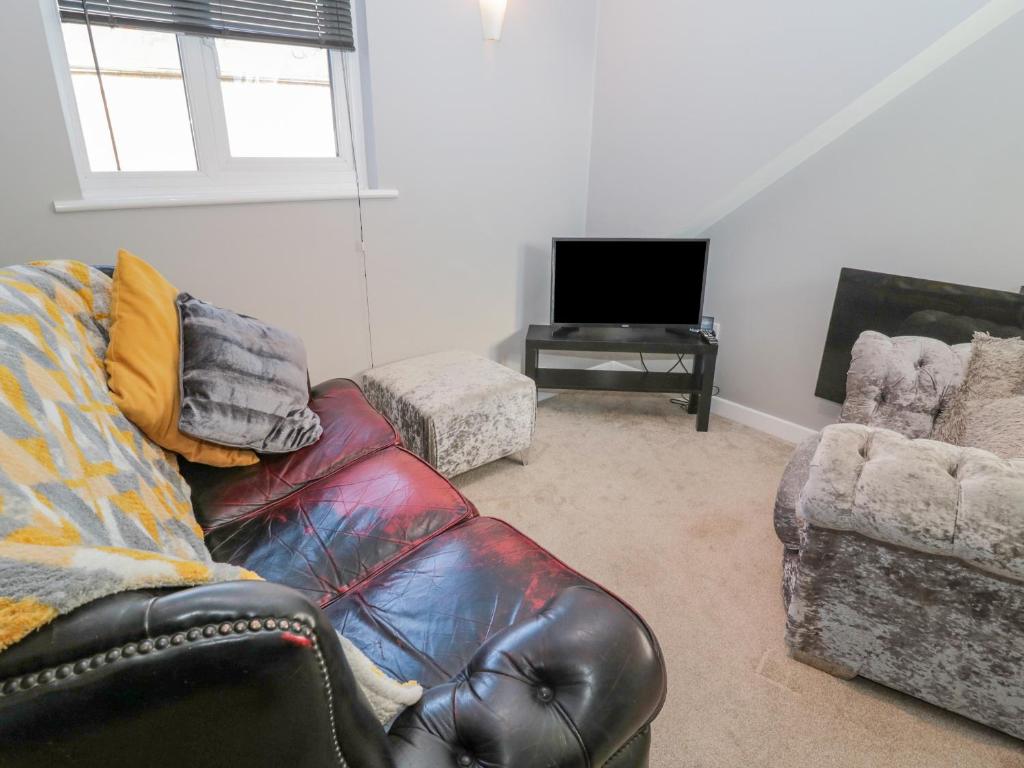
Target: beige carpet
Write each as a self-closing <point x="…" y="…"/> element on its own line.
<point x="679" y="524"/>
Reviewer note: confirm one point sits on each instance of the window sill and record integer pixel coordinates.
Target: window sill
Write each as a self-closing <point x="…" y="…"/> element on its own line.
<point x="183" y="200"/>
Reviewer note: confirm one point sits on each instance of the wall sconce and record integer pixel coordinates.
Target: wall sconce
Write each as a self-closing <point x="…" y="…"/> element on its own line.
<point x="492" y="13"/>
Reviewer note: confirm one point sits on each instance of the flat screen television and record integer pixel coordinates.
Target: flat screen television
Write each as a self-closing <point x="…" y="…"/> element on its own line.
<point x="628" y="282"/>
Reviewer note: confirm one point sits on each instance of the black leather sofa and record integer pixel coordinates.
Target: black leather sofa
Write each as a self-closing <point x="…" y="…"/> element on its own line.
<point x="526" y="663"/>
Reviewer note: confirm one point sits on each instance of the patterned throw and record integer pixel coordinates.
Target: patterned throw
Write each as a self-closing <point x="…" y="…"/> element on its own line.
<point x="88" y="505"/>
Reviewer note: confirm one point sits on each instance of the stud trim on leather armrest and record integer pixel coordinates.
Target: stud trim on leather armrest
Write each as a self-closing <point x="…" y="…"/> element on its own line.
<point x="301" y="631"/>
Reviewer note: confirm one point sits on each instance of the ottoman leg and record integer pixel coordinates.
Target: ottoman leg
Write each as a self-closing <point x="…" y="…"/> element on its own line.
<point x="524" y="456"/>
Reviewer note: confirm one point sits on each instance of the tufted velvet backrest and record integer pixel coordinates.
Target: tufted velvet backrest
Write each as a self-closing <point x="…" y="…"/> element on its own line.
<point x="903" y="383"/>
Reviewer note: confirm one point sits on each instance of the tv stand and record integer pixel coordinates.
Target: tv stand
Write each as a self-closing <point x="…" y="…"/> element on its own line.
<point x="699" y="385"/>
<point x="684" y="332"/>
<point x="561" y="331"/>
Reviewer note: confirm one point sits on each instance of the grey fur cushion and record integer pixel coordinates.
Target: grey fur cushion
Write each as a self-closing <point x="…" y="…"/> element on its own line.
<point x="988" y="411"/>
<point x="243" y="382"/>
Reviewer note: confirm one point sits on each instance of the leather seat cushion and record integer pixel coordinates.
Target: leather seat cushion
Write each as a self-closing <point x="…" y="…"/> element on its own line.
<point x="345" y="527"/>
<point x="424" y="617"/>
<point x="352" y="430"/>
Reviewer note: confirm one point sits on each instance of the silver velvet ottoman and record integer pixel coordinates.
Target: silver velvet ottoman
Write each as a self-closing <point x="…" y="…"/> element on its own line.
<point x="455" y="409"/>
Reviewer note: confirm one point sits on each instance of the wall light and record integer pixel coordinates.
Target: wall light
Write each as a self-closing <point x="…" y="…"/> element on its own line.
<point x="492" y="12"/>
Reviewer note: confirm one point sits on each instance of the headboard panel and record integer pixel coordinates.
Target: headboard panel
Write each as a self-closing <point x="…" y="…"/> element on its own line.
<point x="909" y="306"/>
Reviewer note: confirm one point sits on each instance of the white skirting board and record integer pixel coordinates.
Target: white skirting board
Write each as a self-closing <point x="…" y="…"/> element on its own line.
<point x="759" y="420"/>
<point x="741" y="414"/>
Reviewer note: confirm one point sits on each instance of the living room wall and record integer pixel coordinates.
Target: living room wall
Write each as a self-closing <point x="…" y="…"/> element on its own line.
<point x="487" y="144"/>
<point x="930" y="186"/>
<point x="717" y="90"/>
<point x="927" y="186"/>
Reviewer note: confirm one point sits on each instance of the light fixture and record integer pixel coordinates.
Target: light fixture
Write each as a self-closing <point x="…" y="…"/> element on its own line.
<point x="492" y="13"/>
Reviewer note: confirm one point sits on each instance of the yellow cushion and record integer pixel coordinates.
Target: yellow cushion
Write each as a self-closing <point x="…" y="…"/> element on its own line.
<point x="143" y="362"/>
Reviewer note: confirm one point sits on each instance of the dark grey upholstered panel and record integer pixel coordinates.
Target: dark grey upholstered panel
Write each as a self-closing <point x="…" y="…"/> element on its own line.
<point x="243" y="383"/>
<point x="909" y="306"/>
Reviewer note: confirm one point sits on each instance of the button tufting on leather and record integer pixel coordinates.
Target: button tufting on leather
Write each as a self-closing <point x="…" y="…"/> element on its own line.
<point x="545" y="694"/>
<point x="465" y="760"/>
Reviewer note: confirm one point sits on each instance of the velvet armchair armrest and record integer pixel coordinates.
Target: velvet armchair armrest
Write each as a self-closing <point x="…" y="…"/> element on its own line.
<point x="921" y="495"/>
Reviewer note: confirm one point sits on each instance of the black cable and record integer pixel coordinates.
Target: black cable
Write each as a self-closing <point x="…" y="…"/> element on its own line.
<point x="684" y="400"/>
<point x="679" y="362"/>
<point x="359" y="206"/>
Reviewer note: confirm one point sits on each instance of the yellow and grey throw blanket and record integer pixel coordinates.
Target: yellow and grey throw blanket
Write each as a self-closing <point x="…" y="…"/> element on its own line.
<point x="88" y="505"/>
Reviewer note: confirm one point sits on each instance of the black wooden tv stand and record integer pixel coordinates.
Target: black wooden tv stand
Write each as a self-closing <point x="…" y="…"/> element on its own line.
<point x="699" y="385"/>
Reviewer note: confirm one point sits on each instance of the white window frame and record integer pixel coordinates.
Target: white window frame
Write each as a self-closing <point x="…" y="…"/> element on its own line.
<point x="221" y="178"/>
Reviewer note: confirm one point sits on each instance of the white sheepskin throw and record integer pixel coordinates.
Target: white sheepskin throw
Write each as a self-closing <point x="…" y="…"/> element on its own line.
<point x="387" y="696"/>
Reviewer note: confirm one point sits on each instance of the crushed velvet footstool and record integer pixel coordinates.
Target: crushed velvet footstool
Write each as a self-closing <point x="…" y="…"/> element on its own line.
<point x="454" y="409"/>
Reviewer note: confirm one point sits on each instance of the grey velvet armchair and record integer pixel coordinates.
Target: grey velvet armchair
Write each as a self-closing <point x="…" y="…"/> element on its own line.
<point x="904" y="556"/>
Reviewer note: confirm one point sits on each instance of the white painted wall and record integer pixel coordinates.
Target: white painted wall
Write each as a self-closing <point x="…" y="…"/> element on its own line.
<point x="487" y="143"/>
<point x="692" y="97"/>
<point x="490" y="146"/>
<point x="931" y="186"/>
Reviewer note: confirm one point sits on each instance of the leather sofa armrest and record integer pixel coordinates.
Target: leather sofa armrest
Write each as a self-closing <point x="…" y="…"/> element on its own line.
<point x="792" y="484"/>
<point x="577" y="684"/>
<point x="246" y="673"/>
<point x="921" y="494"/>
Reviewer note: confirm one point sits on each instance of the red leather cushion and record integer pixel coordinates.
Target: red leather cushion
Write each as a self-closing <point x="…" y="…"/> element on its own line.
<point x="352" y="429"/>
<point x="425" y="616"/>
<point x="337" y="531"/>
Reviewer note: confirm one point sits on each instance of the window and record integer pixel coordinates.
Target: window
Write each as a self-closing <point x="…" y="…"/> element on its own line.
<point x="157" y="112"/>
<point x="145" y="94"/>
<point x="277" y="100"/>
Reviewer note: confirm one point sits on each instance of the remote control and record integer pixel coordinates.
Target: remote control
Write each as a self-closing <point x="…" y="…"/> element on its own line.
<point x="709" y="337"/>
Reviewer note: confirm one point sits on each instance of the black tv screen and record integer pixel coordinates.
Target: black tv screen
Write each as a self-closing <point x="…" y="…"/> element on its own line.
<point x="628" y="282"/>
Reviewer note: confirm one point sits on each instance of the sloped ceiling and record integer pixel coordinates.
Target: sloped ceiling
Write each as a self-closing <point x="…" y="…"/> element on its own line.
<point x="699" y="106"/>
